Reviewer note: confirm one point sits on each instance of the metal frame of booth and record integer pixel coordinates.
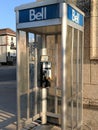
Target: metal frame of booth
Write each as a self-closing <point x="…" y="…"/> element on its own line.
<point x="64" y="21"/>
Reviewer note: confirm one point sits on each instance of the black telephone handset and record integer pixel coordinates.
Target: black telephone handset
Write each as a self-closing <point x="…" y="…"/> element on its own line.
<point x="45" y="74"/>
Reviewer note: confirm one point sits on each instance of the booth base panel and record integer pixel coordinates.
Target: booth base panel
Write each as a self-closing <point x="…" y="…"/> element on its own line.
<point x="42" y="127"/>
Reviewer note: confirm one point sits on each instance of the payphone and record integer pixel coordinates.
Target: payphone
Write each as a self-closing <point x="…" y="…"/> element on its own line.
<point x="60" y="25"/>
<point x="45" y="74"/>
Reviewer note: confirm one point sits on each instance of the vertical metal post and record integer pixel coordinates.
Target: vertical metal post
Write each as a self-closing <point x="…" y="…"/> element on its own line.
<point x="27" y="57"/>
<point x="35" y="79"/>
<point x="64" y="73"/>
<point x="43" y="41"/>
<point x="44" y="105"/>
<point x="44" y="90"/>
<point x="17" y="71"/>
<point x="72" y="77"/>
<point x="56" y="73"/>
<point x="18" y="79"/>
<point x="82" y="75"/>
<point x="77" y="76"/>
<point x="35" y="74"/>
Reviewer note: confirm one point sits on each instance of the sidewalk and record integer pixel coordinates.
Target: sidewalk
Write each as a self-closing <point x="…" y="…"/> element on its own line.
<point x="7" y="121"/>
<point x="8" y="105"/>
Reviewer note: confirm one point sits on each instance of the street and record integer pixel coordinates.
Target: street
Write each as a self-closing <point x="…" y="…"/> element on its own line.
<point x="8" y="98"/>
<point x="7" y="73"/>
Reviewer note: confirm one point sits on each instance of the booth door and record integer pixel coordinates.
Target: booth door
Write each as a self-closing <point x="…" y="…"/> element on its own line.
<point x="54" y="91"/>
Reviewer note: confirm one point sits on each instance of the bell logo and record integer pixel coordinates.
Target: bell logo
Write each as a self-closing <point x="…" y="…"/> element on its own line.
<point x="37" y="15"/>
<point x="75" y="16"/>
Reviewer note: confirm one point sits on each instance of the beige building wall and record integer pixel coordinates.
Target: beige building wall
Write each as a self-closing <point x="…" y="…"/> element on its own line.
<point x="90" y="85"/>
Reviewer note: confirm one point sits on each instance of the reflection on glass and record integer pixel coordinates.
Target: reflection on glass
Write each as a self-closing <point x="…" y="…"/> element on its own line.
<point x="69" y="115"/>
<point x="39" y="105"/>
<point x="59" y="63"/>
<point x="31" y="75"/>
<point x="51" y="52"/>
<point x="22" y="68"/>
<point x="79" y="109"/>
<point x="23" y="105"/>
<point x="51" y="104"/>
<point x="68" y="58"/>
<point x="59" y="105"/>
<point x="32" y="98"/>
<point x="74" y="112"/>
<point x="80" y="61"/>
<point x="75" y="61"/>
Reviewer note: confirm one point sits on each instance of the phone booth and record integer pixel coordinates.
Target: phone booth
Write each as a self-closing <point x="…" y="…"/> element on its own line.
<point x="49" y="65"/>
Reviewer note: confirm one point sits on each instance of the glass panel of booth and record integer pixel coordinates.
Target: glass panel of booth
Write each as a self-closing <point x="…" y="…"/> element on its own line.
<point x="69" y="62"/>
<point x="34" y="69"/>
<point x="52" y="50"/>
<point x="80" y="59"/>
<point x="79" y="110"/>
<point x="79" y="100"/>
<point x="23" y="62"/>
<point x="74" y="77"/>
<point x="75" y="69"/>
<point x="69" y="76"/>
<point x="22" y="77"/>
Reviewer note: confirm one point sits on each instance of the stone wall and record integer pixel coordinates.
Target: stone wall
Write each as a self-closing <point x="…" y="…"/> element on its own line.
<point x="90" y="82"/>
